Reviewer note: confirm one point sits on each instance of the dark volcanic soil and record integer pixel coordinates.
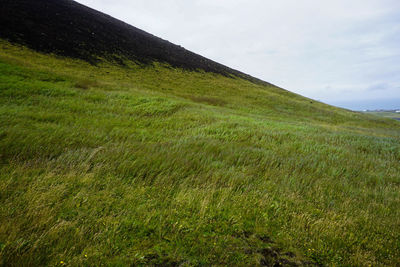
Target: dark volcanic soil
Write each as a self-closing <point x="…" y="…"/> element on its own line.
<point x="67" y="28"/>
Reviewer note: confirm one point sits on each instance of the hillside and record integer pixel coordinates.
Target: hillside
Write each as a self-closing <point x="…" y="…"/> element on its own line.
<point x="70" y="29"/>
<point x="393" y="114"/>
<point x="118" y="155"/>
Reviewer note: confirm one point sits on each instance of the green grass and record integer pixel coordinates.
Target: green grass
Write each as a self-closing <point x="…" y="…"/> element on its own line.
<point x="385" y="114"/>
<point x="147" y="165"/>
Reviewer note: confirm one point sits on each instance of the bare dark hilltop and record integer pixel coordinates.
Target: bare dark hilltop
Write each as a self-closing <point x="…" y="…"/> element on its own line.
<point x="67" y="28"/>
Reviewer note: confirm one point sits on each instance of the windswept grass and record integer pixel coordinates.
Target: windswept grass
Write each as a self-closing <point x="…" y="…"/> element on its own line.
<point x="104" y="165"/>
<point x="385" y="114"/>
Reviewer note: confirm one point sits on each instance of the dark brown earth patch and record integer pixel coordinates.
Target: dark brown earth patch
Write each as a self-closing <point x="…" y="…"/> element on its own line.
<point x="155" y="260"/>
<point x="273" y="256"/>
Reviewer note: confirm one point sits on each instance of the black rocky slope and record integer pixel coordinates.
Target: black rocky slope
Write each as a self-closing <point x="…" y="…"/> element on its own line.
<point x="67" y="28"/>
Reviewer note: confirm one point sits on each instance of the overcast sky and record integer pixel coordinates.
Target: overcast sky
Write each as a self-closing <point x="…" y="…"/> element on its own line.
<point x="341" y="52"/>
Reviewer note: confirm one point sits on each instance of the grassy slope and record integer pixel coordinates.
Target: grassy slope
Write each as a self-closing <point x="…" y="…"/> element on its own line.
<point x="110" y="165"/>
<point x="392" y="115"/>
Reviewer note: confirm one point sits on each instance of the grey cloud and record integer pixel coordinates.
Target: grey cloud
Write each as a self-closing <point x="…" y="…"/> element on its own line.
<point x="378" y="87"/>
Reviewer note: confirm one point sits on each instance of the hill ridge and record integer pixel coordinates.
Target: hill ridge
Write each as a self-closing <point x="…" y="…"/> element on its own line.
<point x="68" y="28"/>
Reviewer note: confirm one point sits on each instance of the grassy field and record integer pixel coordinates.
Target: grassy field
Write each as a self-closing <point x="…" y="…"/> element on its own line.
<point x="385" y="114"/>
<point x="147" y="165"/>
